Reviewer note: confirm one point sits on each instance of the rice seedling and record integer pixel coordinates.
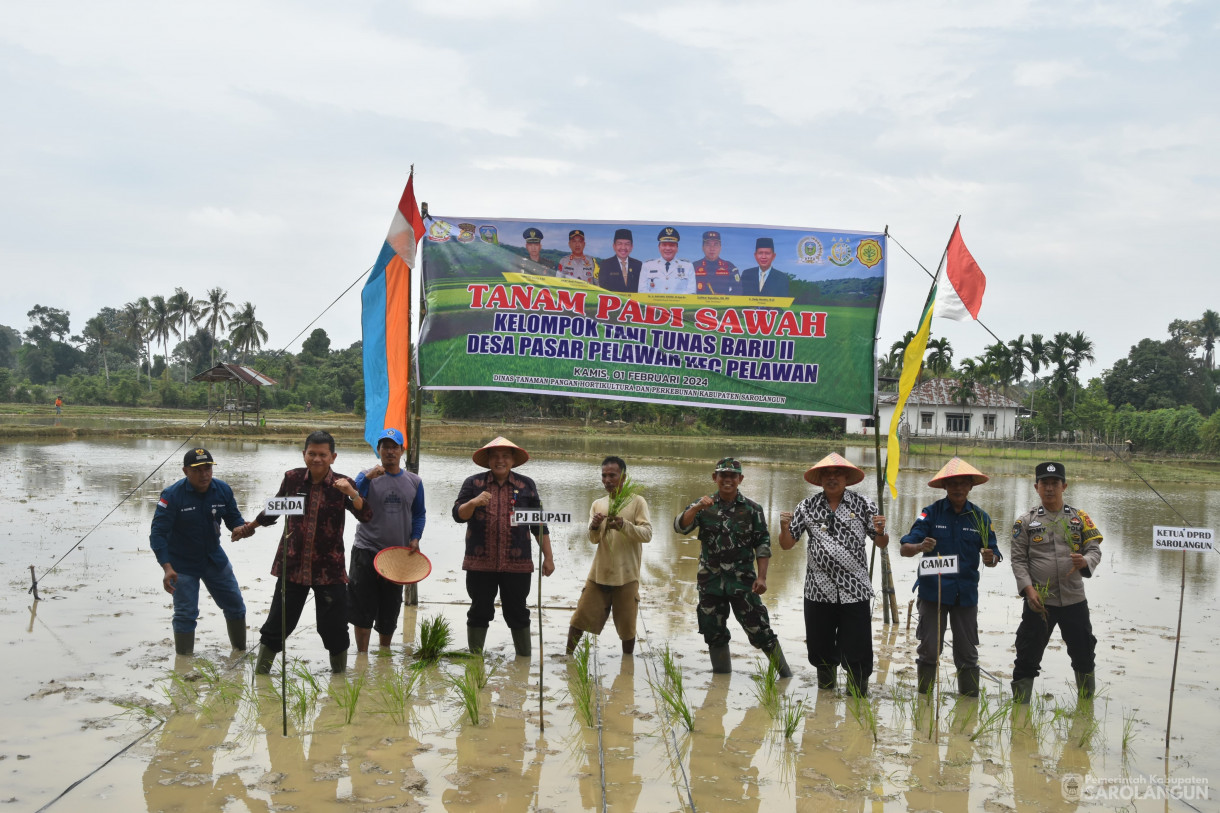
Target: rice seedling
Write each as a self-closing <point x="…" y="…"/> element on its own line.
<point x="179" y="691"/>
<point x="790" y="711"/>
<point x="627" y="489"/>
<point x="434" y="638"/>
<point x="1128" y="729"/>
<point x="395" y="692"/>
<point x="1087" y="729"/>
<point x="346" y="696"/>
<point x="991" y="717"/>
<point x="670" y="690"/>
<point x="862" y="708"/>
<point x="469" y="685"/>
<point x="303" y="690"/>
<point x="766" y="686"/>
<point x="580" y="681"/>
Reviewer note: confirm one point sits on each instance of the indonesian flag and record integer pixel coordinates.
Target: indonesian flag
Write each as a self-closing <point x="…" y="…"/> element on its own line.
<point x="407" y="227"/>
<point x="963" y="295"/>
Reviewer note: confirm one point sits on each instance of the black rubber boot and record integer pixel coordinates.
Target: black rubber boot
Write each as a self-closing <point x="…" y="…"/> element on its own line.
<point x="521" y="641"/>
<point x="573" y="638"/>
<point x="857" y="684"/>
<point x="1086" y="685"/>
<point x="475" y="638"/>
<point x="826" y="677"/>
<point x="237" y="632"/>
<point x="968" y="681"/>
<point x="925" y="677"/>
<point x="781" y="663"/>
<point x="184" y="643"/>
<point x="722" y="659"/>
<point x="265" y="659"/>
<point x="1022" y="690"/>
<point x="338" y="662"/>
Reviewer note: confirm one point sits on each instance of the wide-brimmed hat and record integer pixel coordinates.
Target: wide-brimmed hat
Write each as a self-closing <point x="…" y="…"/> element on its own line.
<point x="833" y="461"/>
<point x="402" y="565"/>
<point x="958" y="468"/>
<point x="520" y="456"/>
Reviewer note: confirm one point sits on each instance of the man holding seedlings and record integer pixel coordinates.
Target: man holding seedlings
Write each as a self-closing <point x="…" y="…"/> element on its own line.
<point x="397" y="499"/>
<point x="498" y="557"/>
<point x="312" y="546"/>
<point x="619" y="525"/>
<point x="1054" y="548"/>
<point x="186" y="541"/>
<point x="732" y="534"/>
<point x="953" y="526"/>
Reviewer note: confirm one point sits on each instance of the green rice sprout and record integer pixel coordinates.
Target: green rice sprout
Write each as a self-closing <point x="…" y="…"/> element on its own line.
<point x="670" y="690"/>
<point x="395" y="692"/>
<point x="1128" y="729"/>
<point x="982" y="524"/>
<point x="862" y="709"/>
<point x="347" y="696"/>
<point x="790" y="712"/>
<point x="581" y="681"/>
<point x="434" y="638"/>
<point x="627" y="489"/>
<point x="766" y="686"/>
<point x="469" y="686"/>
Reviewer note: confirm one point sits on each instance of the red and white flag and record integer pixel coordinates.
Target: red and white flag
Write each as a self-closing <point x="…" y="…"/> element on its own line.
<point x="407" y="227"/>
<point x="963" y="295"/>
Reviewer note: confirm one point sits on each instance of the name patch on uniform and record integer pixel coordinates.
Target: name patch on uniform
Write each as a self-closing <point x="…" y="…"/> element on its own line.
<point x="1170" y="538"/>
<point x="937" y="565"/>
<point x="535" y="516"/>
<point x="293" y="506"/>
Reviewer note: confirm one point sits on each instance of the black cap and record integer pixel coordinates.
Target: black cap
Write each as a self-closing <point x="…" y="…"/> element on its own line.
<point x="576" y="233"/>
<point x="198" y="457"/>
<point x="623" y="234"/>
<point x="668" y="235"/>
<point x="764" y="242"/>
<point x="1045" y="470"/>
<point x="711" y="235"/>
<point x="532" y="235"/>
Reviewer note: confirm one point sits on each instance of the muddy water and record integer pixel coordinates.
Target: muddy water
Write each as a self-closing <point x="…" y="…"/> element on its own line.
<point x="99" y="643"/>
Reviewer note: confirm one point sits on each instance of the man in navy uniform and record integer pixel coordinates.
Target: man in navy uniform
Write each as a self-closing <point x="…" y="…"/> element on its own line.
<point x="764" y="279"/>
<point x="714" y="275"/>
<point x="667" y="274"/>
<point x="622" y="271"/>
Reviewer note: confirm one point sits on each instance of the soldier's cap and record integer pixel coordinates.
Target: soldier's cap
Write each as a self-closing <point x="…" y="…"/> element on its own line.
<point x="764" y="242"/>
<point x="728" y="464"/>
<point x="668" y="235"/>
<point x="1045" y="470"/>
<point x="576" y="233"/>
<point x="711" y="235"/>
<point x="623" y="234"/>
<point x="198" y="457"/>
<point x="532" y="235"/>
<point x="390" y="433"/>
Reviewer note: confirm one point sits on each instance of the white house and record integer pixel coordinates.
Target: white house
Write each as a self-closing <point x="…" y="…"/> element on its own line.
<point x="932" y="411"/>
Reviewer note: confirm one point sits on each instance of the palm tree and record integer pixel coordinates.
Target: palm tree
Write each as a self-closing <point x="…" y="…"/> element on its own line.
<point x="183" y="308"/>
<point x="246" y="331"/>
<point x="1057" y="353"/>
<point x="940" y="356"/>
<point x="1209" y="330"/>
<point x="99" y="334"/>
<point x="215" y="311"/>
<point x="963" y="393"/>
<point x="1018" y="350"/>
<point x="160" y="324"/>
<point x="132" y="319"/>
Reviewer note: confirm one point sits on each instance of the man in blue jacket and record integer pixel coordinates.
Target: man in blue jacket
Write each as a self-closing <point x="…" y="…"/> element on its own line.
<point x="953" y="526"/>
<point x="186" y="541"/>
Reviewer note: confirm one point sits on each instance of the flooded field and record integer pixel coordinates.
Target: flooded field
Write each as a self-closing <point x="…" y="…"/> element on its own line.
<point x="94" y="693"/>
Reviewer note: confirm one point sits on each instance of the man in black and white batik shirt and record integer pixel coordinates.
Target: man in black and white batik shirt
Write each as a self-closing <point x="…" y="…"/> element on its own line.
<point x="838" y="589"/>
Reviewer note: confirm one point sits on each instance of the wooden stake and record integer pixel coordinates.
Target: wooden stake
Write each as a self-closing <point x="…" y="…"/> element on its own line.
<point x="1177" y="644"/>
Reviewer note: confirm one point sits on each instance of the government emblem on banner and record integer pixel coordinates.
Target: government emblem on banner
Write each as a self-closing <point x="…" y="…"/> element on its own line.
<point x="868" y="252"/>
<point x="438" y="232"/>
<point x="809" y="250"/>
<point x="488" y="234"/>
<point x="840" y="252"/>
<point x="465" y="233"/>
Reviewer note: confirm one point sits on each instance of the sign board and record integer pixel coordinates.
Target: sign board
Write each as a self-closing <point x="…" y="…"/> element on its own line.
<point x="938" y="565"/>
<point x="292" y="506"/>
<point x="1165" y="537"/>
<point x="536" y="516"/>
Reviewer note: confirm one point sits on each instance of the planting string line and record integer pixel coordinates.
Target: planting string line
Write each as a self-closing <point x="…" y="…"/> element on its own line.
<point x="676" y="755"/>
<point x="601" y="749"/>
<point x="190" y="437"/>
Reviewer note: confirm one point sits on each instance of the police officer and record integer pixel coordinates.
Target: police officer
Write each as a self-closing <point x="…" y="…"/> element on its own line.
<point x="576" y="265"/>
<point x="732" y="534"/>
<point x="714" y="275"/>
<point x="533" y="246"/>
<point x="667" y="274"/>
<point x="1054" y="548"/>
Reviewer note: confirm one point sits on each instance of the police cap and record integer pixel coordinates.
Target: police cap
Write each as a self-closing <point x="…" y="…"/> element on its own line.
<point x="711" y="235"/>
<point x="1045" y="470"/>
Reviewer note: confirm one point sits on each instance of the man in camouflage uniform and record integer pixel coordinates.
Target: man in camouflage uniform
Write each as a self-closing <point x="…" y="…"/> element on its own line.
<point x="732" y="534"/>
<point x="1054" y="546"/>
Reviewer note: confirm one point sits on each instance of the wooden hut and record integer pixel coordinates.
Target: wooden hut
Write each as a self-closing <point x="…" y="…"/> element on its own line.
<point x="243" y="389"/>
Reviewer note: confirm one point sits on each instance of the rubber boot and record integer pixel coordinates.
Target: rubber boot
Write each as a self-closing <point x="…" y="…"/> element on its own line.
<point x="265" y="659"/>
<point x="184" y="643"/>
<point x="237" y="632"/>
<point x="826" y="677"/>
<point x="521" y="641"/>
<point x="573" y="638"/>
<point x="629" y="646"/>
<point x="925" y="677"/>
<point x="1022" y="690"/>
<point x="362" y="635"/>
<point x="1086" y="685"/>
<point x="338" y="662"/>
<point x="475" y="638"/>
<point x="968" y="681"/>
<point x="781" y="663"/>
<point x="722" y="659"/>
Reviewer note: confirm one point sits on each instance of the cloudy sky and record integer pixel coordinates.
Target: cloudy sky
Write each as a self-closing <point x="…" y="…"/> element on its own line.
<point x="262" y="146"/>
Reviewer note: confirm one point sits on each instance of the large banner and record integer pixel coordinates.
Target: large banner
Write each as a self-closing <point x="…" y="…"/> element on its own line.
<point x="734" y="317"/>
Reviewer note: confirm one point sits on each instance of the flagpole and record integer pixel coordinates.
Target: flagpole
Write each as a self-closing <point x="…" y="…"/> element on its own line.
<point x="410" y="416"/>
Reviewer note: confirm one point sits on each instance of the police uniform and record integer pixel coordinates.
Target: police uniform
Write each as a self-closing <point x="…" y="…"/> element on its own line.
<point x="717" y="276"/>
<point x="583" y="268"/>
<point x="1042" y="546"/>
<point x="662" y="276"/>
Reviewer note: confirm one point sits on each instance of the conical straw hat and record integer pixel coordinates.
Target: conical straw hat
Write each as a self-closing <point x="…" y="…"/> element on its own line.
<point x="833" y="461"/>
<point x="402" y="565"/>
<point x="958" y="468"/>
<point x="520" y="456"/>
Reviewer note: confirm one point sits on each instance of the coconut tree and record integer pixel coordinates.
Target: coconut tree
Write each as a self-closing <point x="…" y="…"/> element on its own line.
<point x="246" y="331"/>
<point x="940" y="356"/>
<point x="183" y="309"/>
<point x="132" y="320"/>
<point x="1017" y="350"/>
<point x="99" y="334"/>
<point x="160" y="324"/>
<point x="215" y="311"/>
<point x="1209" y="330"/>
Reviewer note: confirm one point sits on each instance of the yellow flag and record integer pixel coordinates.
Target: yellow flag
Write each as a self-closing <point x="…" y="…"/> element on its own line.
<point x="912" y="360"/>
